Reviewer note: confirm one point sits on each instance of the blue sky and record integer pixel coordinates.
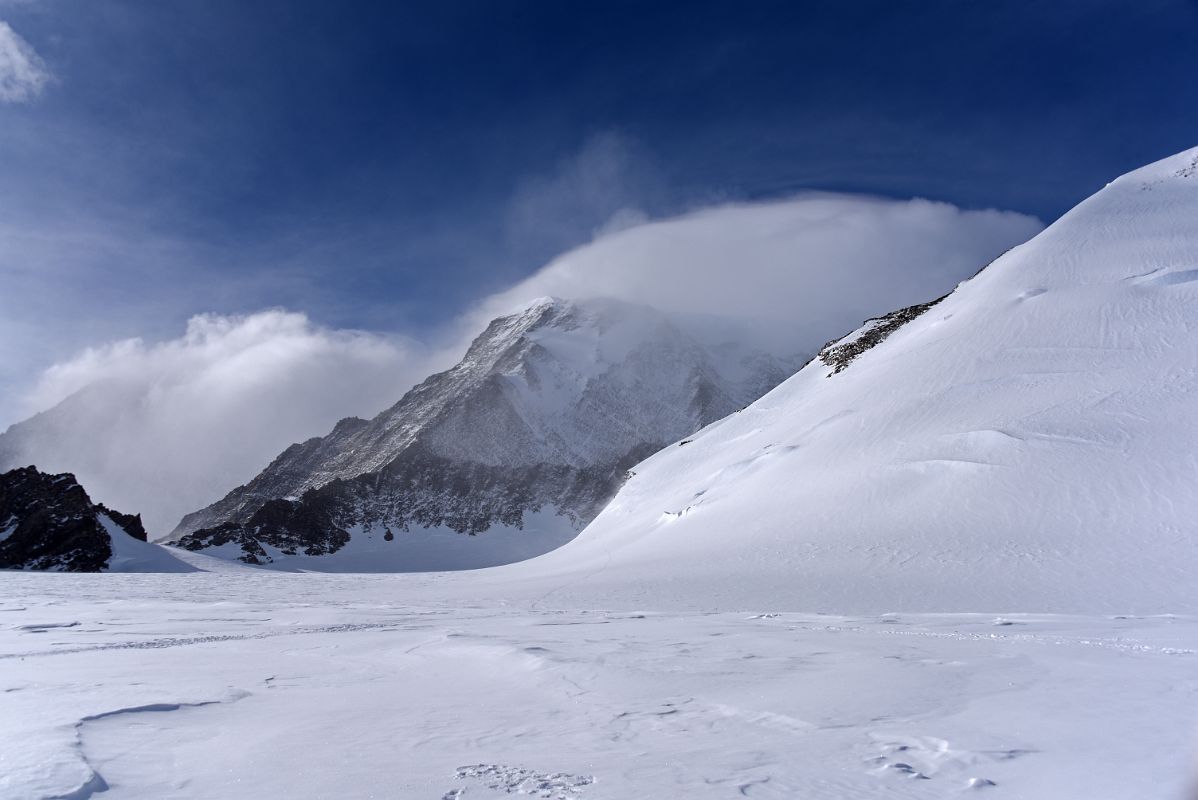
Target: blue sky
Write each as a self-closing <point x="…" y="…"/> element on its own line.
<point x="383" y="165"/>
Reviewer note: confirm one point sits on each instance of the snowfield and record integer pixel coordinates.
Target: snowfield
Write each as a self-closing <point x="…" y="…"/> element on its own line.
<point x="252" y="684"/>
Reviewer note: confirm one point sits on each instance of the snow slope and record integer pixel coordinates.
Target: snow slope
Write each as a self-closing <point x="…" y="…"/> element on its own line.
<point x="133" y="555"/>
<point x="1028" y="443"/>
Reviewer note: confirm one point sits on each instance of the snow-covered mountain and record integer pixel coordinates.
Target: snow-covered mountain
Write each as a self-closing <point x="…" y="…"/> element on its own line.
<point x="1029" y="442"/>
<point x="47" y="522"/>
<point x="524" y="441"/>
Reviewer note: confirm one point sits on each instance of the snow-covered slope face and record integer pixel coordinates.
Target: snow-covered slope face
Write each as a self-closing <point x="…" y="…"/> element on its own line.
<point x="1028" y="443"/>
<point x="547" y="410"/>
<point x="47" y="522"/>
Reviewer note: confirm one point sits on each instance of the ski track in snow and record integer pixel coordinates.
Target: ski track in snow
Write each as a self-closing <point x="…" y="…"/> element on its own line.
<point x="154" y="644"/>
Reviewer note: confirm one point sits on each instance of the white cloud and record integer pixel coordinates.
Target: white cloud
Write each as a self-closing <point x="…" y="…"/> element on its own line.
<point x="23" y="74"/>
<point x="608" y="184"/>
<point x="797" y="271"/>
<point x="166" y="428"/>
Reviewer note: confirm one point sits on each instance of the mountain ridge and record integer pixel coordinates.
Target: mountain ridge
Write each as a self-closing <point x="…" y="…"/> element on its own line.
<point x="548" y="408"/>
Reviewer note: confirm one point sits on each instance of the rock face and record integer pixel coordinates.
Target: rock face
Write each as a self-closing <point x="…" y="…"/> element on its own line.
<point x="47" y="522"/>
<point x="548" y="410"/>
<point x="839" y="353"/>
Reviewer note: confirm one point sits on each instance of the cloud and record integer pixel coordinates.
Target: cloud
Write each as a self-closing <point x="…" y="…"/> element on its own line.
<point x="796" y="272"/>
<point x="23" y="74"/>
<point x="608" y="184"/>
<point x="166" y="428"/>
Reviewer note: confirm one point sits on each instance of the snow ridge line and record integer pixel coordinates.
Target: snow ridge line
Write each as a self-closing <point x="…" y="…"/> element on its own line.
<point x="154" y="644"/>
<point x="1127" y="647"/>
<point x="95" y="783"/>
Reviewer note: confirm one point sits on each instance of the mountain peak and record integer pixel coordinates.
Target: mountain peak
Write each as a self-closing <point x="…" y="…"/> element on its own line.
<point x="542" y="416"/>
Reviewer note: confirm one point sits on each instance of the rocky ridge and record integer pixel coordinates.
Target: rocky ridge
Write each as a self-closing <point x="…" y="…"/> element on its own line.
<point x="48" y="522"/>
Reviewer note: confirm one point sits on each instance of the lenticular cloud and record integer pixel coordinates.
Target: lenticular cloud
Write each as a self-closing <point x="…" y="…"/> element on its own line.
<point x="798" y="271"/>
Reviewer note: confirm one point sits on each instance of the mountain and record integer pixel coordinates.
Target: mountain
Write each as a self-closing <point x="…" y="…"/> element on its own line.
<point x="1027" y="443"/>
<point x="47" y="522"/>
<point x="519" y="445"/>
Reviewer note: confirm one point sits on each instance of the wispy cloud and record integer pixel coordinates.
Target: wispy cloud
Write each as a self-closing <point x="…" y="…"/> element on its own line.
<point x="609" y="183"/>
<point x="23" y="74"/>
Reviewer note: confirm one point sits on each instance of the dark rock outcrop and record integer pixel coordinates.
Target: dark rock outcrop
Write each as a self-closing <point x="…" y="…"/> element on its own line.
<point x="47" y="522"/>
<point x="839" y="353"/>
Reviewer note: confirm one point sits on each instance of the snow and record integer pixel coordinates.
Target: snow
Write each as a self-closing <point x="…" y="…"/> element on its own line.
<point x="1025" y="445"/>
<point x="421" y="549"/>
<point x="134" y="555"/>
<point x="251" y="683"/>
<point x="963" y="564"/>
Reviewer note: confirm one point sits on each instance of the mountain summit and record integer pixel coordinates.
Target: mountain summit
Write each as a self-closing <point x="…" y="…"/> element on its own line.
<point x="524" y="440"/>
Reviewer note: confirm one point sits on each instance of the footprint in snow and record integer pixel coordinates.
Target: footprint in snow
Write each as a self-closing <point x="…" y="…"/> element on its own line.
<point x="517" y="780"/>
<point x="980" y="783"/>
<point x="926" y="758"/>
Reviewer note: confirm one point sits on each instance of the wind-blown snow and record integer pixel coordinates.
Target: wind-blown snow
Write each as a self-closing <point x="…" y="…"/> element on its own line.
<point x="1026" y="444"/>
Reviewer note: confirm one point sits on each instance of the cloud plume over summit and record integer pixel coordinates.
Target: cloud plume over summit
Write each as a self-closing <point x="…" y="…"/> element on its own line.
<point x="792" y="271"/>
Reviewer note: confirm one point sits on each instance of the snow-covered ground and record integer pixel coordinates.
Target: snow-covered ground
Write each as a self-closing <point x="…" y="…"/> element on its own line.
<point x="254" y="684"/>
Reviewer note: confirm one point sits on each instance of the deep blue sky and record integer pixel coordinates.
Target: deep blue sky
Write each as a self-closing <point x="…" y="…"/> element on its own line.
<point x="383" y="164"/>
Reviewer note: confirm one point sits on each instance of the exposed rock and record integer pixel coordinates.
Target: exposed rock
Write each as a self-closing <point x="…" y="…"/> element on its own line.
<point x="839" y="353"/>
<point x="47" y="522"/>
